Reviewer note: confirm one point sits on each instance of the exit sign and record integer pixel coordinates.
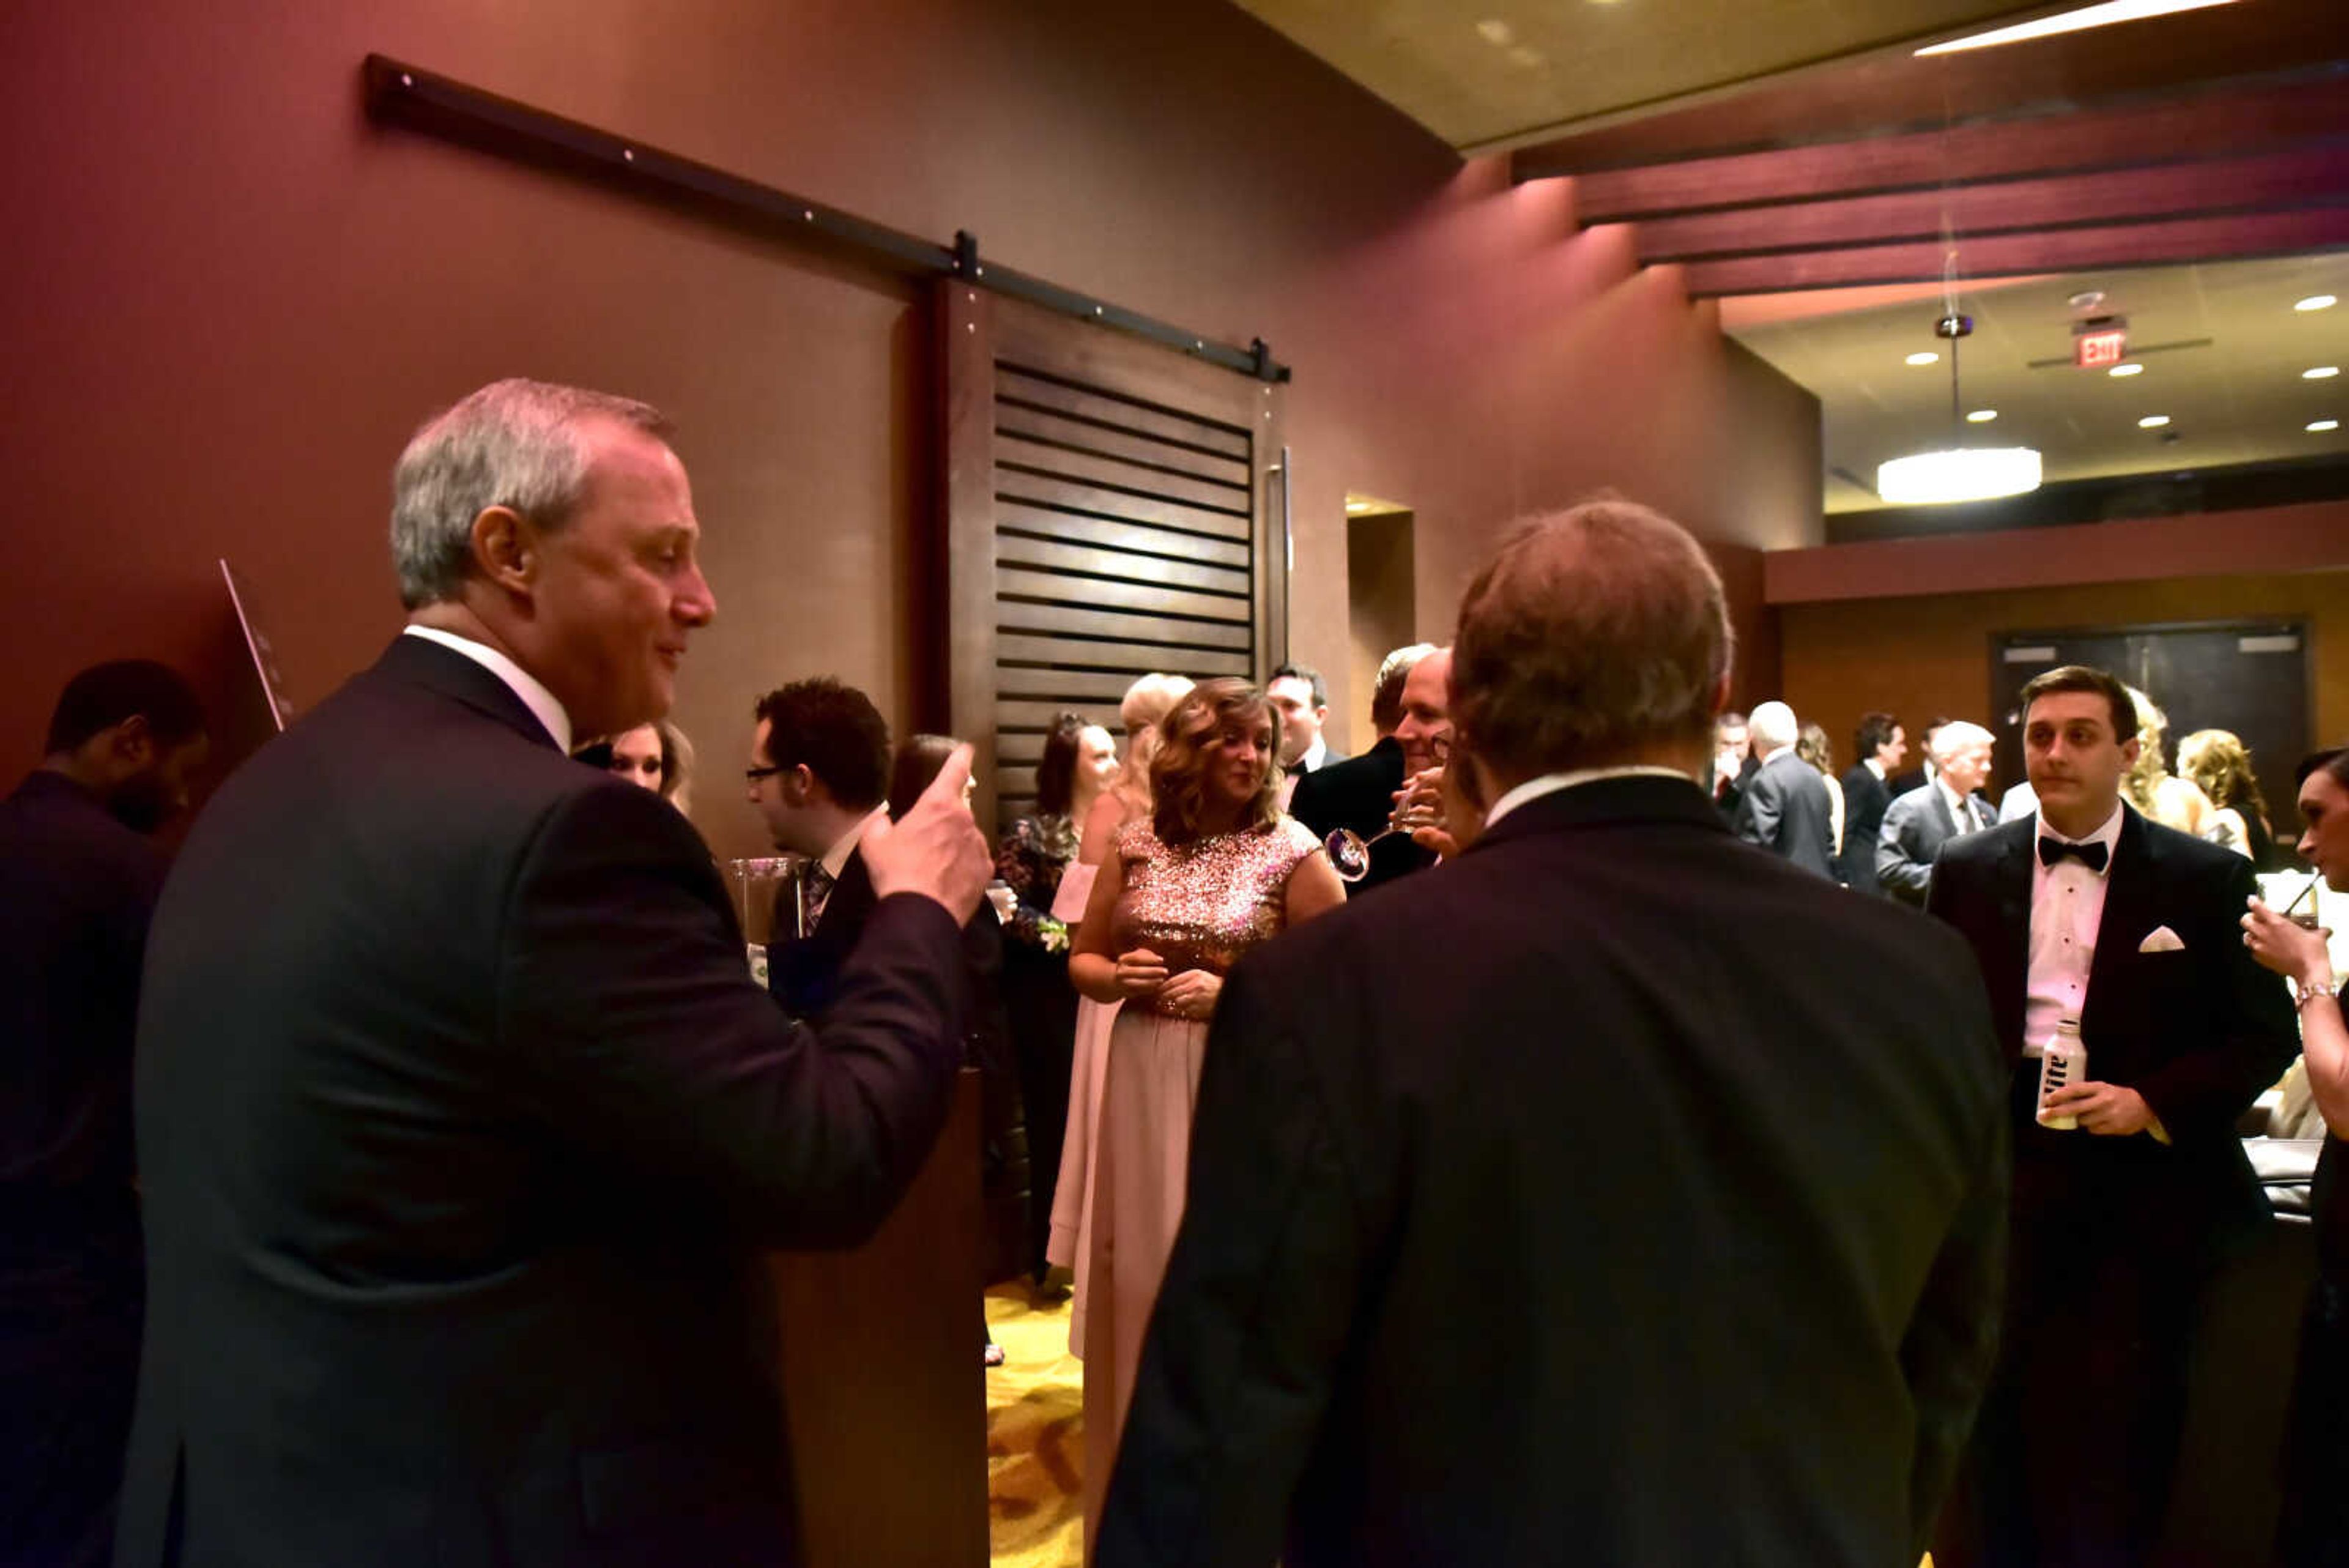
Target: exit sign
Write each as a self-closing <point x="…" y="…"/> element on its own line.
<point x="2100" y="346"/>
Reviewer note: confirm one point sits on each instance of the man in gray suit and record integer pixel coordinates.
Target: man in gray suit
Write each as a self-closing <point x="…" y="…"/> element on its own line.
<point x="1785" y="808"/>
<point x="1918" y="824"/>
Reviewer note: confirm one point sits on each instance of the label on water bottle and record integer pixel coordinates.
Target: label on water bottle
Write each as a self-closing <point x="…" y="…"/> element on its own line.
<point x="2064" y="1062"/>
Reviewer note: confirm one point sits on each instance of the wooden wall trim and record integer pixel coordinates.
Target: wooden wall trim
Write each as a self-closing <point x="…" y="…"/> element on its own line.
<point x="2311" y="538"/>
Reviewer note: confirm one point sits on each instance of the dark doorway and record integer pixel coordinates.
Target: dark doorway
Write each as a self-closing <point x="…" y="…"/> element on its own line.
<point x="2250" y="677"/>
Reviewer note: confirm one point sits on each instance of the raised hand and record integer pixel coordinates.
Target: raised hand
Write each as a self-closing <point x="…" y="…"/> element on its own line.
<point x="935" y="849"/>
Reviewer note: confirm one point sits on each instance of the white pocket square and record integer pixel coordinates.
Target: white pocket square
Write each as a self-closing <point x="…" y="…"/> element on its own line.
<point x="2162" y="941"/>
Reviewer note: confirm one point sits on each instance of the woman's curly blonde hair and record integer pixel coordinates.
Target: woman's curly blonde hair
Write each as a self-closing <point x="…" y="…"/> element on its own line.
<point x="1177" y="778"/>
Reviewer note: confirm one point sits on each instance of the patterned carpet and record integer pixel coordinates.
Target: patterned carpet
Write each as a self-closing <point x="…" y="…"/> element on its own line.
<point x="1035" y="1436"/>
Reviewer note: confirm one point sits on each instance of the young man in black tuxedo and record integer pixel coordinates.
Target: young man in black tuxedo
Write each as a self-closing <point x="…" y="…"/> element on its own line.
<point x="1881" y="745"/>
<point x="79" y="878"/>
<point x="1549" y="1207"/>
<point x="2088" y="914"/>
<point x="460" y="1123"/>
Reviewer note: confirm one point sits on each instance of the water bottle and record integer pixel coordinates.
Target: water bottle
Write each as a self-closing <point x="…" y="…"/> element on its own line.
<point x="2065" y="1064"/>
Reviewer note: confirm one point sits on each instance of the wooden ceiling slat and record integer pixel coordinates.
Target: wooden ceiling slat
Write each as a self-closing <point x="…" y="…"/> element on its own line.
<point x="2279" y="180"/>
<point x="2011" y="255"/>
<point x="2222" y="124"/>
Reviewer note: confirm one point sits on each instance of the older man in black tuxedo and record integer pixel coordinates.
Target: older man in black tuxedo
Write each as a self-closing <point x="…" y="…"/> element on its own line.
<point x="1358" y="792"/>
<point x="2087" y="915"/>
<point x="459" y="1116"/>
<point x="1547" y="1208"/>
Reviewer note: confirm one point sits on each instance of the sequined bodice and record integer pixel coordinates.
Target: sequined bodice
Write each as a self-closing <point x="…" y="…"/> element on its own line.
<point x="1203" y="905"/>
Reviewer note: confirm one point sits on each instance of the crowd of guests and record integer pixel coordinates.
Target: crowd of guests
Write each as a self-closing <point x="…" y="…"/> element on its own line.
<point x="1463" y="1151"/>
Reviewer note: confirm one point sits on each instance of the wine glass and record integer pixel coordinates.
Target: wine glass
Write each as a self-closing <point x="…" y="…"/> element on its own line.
<point x="1421" y="807"/>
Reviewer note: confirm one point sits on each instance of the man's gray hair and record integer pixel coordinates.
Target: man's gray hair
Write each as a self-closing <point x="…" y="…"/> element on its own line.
<point x="1772" y="726"/>
<point x="1386" y="691"/>
<point x="1956" y="736"/>
<point x="515" y="443"/>
<point x="1592" y="637"/>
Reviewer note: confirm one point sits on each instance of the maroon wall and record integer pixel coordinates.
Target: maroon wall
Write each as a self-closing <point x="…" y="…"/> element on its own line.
<point x="227" y="297"/>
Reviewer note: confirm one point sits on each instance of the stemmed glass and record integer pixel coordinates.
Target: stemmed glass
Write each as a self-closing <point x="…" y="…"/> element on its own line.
<point x="1350" y="852"/>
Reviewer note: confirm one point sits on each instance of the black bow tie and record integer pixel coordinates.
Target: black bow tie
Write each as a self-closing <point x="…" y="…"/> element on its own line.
<point x="2053" y="850"/>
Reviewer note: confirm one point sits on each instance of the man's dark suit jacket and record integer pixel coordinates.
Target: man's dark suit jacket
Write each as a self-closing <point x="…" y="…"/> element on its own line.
<point x="1786" y="810"/>
<point x="2199" y="1032"/>
<point x="1358" y="792"/>
<point x="76" y="889"/>
<point x="1541" y="1211"/>
<point x="1915" y="826"/>
<point x="1865" y="798"/>
<point x="461" y="1121"/>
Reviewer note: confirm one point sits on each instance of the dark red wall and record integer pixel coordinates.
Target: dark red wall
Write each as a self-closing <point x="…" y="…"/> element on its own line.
<point x="227" y="297"/>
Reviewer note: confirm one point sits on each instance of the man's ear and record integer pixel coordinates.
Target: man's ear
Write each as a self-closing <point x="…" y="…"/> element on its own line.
<point x="2130" y="749"/>
<point x="133" y="742"/>
<point x="506" y="550"/>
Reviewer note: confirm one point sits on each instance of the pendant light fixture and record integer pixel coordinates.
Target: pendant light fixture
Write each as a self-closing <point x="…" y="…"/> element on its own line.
<point x="1958" y="471"/>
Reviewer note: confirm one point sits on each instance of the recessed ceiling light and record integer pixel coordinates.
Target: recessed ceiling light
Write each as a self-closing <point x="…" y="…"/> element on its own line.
<point x="1981" y="416"/>
<point x="1924" y="357"/>
<point x="2153" y="421"/>
<point x="2320" y="426"/>
<point x="2102" y="16"/>
<point x="1497" y="33"/>
<point x="2125" y="370"/>
<point x="2321" y="373"/>
<point x="2315" y="301"/>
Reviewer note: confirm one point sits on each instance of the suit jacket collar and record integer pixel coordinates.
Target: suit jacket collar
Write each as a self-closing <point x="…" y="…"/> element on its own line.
<point x="1640" y="797"/>
<point x="2130" y="889"/>
<point x="420" y="661"/>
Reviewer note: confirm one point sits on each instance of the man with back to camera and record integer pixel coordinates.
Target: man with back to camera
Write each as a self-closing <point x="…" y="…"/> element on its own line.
<point x="2088" y="914"/>
<point x="1785" y="809"/>
<point x="1545" y="1210"/>
<point x="460" y="1120"/>
<point x="1947" y="805"/>
<point x="79" y="879"/>
<point x="1358" y="792"/>
<point x="1881" y="745"/>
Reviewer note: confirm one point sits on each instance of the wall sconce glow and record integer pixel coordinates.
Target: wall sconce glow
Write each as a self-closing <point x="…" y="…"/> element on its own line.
<point x="2321" y="373"/>
<point x="1981" y="416"/>
<point x="2315" y="301"/>
<point x="2086" y="17"/>
<point x="2125" y="370"/>
<point x="2153" y="421"/>
<point x="2318" y="427"/>
<point x="1967" y="473"/>
<point x="1922" y="356"/>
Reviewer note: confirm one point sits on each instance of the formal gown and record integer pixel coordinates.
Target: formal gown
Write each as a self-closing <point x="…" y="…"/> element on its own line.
<point x="1199" y="906"/>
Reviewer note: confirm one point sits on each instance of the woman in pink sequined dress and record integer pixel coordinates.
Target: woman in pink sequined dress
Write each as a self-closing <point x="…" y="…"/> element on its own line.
<point x="1213" y="870"/>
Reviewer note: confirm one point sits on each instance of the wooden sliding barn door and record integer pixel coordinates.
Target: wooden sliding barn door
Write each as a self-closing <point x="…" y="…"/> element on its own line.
<point x="1112" y="508"/>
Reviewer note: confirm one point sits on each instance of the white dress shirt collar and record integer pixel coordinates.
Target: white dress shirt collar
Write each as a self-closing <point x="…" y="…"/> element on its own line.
<point x="1872" y="765"/>
<point x="1776" y="752"/>
<point x="1550" y="784"/>
<point x="835" y="858"/>
<point x="1960" y="810"/>
<point x="519" y="681"/>
<point x="2109" y="836"/>
<point x="1315" y="755"/>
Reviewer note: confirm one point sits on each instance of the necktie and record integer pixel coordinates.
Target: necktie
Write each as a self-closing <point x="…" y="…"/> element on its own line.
<point x="815" y="891"/>
<point x="2052" y="852"/>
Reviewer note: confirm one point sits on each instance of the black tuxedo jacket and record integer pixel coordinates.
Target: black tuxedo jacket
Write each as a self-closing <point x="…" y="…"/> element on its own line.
<point x="1542" y="1210"/>
<point x="1865" y="798"/>
<point x="1786" y="810"/>
<point x="1358" y="792"/>
<point x="805" y="975"/>
<point x="2199" y="1032"/>
<point x="461" y="1122"/>
<point x="1915" y="826"/>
